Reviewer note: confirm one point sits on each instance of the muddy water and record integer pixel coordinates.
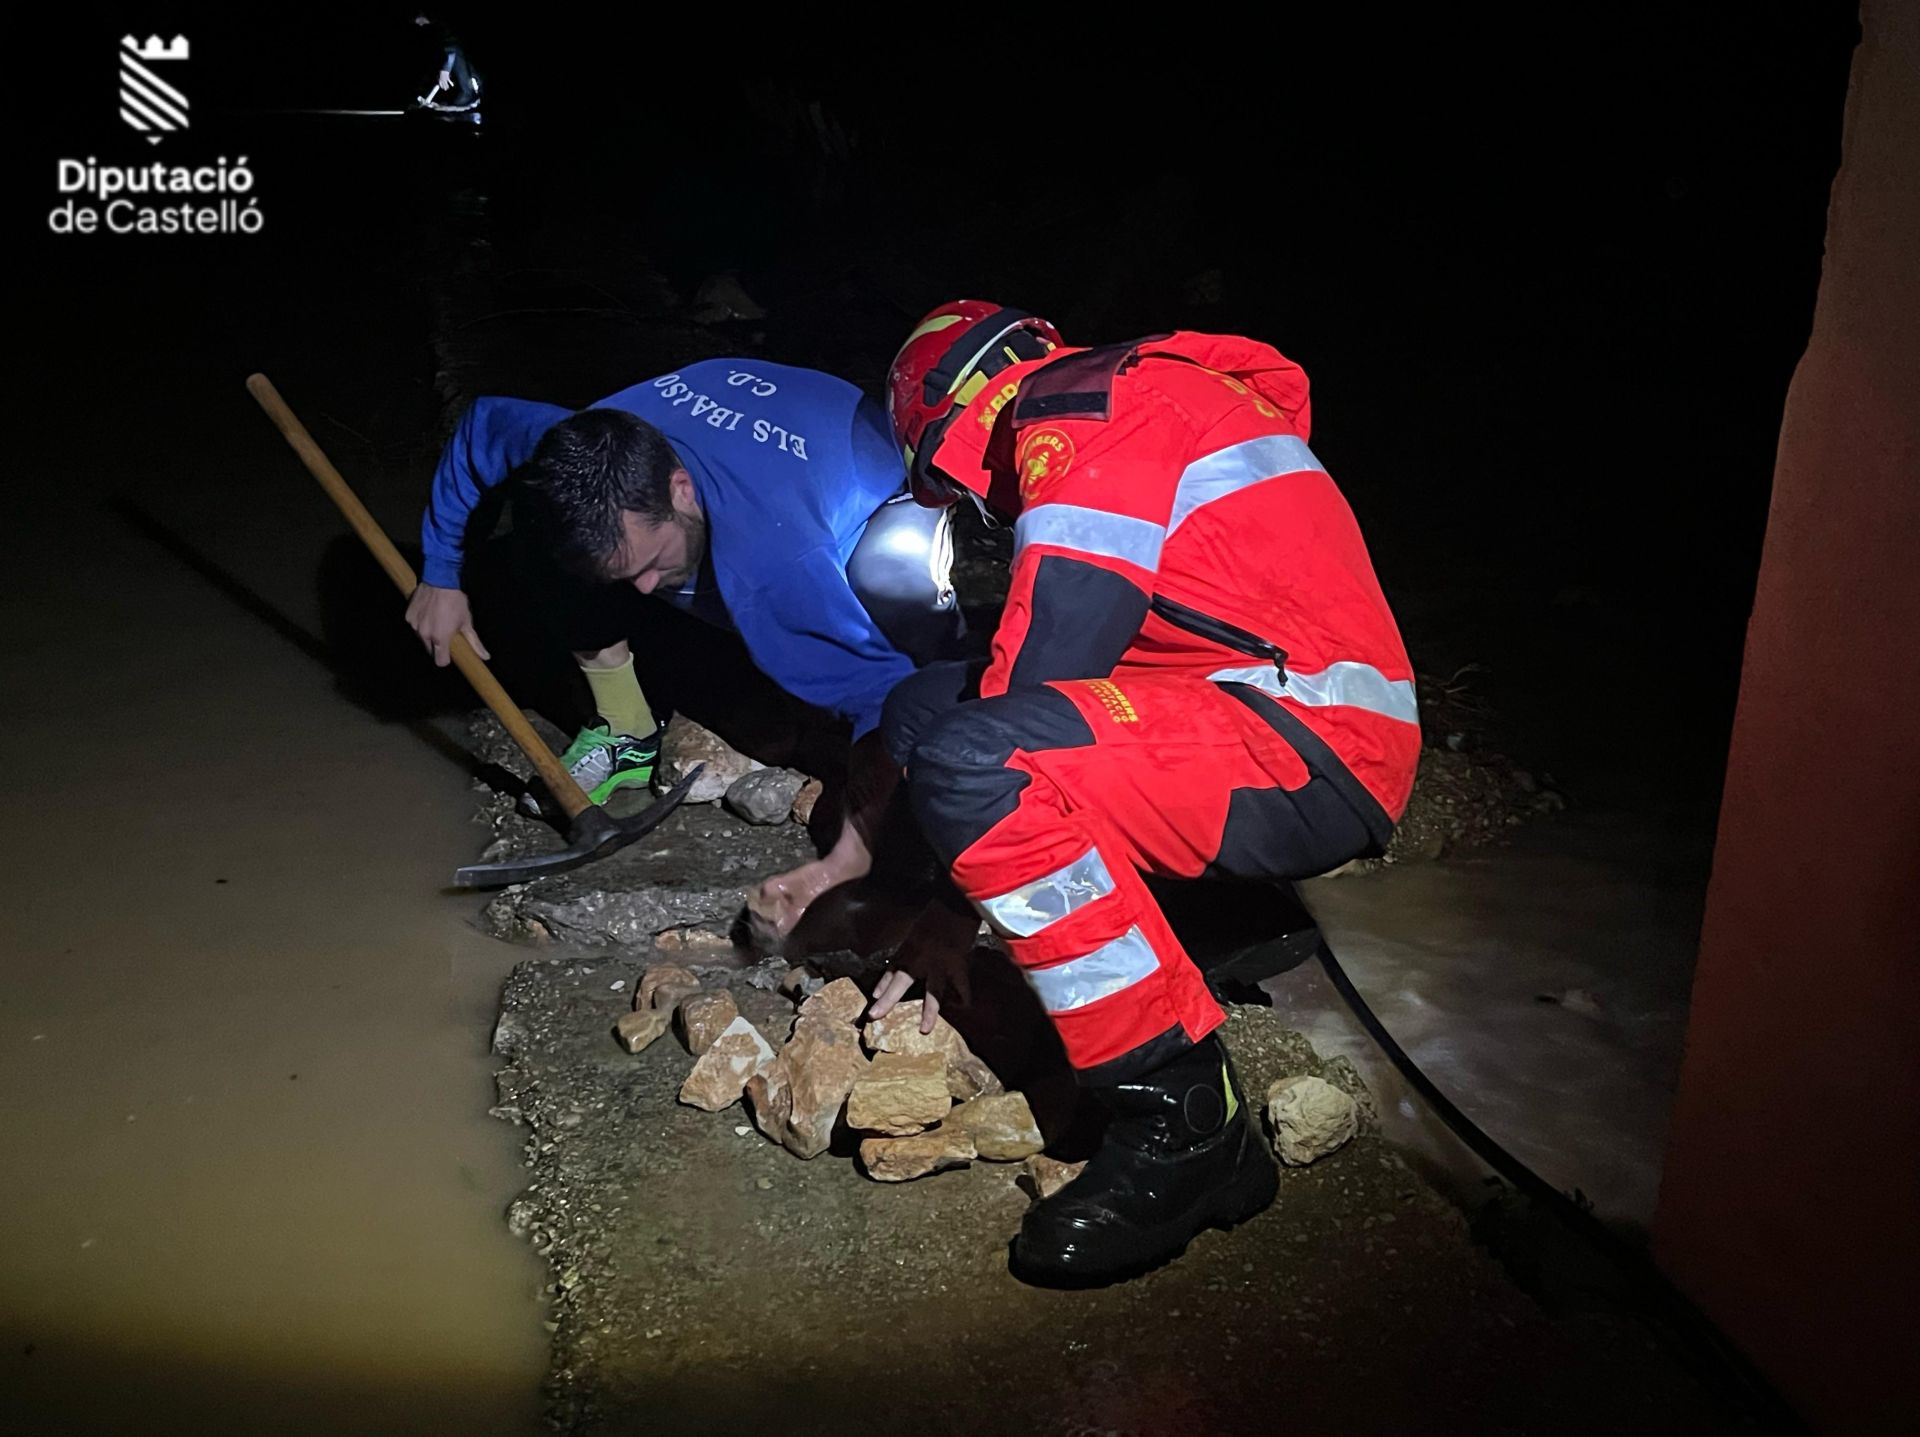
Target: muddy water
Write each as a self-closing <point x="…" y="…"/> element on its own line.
<point x="249" y="1180"/>
<point x="1543" y="986"/>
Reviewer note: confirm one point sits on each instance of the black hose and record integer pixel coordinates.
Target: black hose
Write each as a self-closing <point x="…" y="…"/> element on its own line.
<point x="1690" y="1325"/>
<point x="1469" y="1132"/>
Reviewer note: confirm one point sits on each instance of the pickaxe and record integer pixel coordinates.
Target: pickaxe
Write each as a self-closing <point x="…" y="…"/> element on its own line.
<point x="592" y="832"/>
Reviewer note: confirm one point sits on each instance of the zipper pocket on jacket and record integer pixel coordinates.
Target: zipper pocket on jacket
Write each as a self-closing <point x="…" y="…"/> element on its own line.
<point x="1218" y="631"/>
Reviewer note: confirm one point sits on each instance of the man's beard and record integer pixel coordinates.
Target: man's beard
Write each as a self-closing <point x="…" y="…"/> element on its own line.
<point x="693" y="527"/>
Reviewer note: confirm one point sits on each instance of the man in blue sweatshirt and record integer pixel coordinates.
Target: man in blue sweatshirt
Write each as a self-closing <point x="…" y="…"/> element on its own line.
<point x="754" y="495"/>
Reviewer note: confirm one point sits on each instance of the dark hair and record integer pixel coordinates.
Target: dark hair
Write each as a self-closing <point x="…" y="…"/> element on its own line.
<point x="586" y="473"/>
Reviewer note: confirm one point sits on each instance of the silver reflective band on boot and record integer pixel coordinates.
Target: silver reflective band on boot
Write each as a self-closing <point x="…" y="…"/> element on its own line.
<point x="1033" y="906"/>
<point x="1102" y="973"/>
<point x="901" y="571"/>
<point x="1360" y="686"/>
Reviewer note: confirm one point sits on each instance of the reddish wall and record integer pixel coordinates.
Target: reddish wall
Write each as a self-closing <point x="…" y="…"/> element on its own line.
<point x="1790" y="1209"/>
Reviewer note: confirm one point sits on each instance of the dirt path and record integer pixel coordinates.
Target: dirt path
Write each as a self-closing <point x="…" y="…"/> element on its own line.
<point x="708" y="1281"/>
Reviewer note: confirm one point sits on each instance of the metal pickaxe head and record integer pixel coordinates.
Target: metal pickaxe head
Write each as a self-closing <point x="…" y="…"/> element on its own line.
<point x="592" y="833"/>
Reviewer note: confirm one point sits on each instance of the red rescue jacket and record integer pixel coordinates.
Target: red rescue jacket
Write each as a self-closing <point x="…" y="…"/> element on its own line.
<point x="1170" y="517"/>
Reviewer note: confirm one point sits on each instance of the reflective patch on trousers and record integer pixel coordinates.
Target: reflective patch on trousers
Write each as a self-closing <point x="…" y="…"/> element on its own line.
<point x="1109" y="969"/>
<point x="1033" y="906"/>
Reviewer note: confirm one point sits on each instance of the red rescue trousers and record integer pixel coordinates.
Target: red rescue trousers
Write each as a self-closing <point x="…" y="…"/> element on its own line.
<point x="1049" y="802"/>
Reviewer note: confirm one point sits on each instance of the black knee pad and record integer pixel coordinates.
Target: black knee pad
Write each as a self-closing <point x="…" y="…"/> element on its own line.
<point x="923" y="697"/>
<point x="957" y="774"/>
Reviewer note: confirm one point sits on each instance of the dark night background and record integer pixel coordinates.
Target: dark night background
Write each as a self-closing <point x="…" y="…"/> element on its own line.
<point x="1549" y="279"/>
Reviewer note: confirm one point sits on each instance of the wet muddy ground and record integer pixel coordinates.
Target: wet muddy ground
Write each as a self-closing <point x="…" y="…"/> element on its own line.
<point x="705" y="1280"/>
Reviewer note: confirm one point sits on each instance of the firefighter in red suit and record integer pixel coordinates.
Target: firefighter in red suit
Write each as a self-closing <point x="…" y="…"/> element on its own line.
<point x="1196" y="675"/>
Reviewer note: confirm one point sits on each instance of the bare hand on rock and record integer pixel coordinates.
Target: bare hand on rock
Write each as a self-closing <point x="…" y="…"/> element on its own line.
<point x="935" y="951"/>
<point x="894" y="985"/>
<point x="775" y="904"/>
<point x="778" y="902"/>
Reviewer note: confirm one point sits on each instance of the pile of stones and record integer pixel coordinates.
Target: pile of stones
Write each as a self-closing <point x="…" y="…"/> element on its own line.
<point x="915" y="1103"/>
<point x="909" y="1103"/>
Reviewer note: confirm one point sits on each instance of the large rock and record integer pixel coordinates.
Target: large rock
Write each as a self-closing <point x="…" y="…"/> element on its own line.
<point x="899" y="1032"/>
<point x="840" y="1001"/>
<point x="822" y="1062"/>
<point x="704" y="1017"/>
<point x="570" y="909"/>
<point x="659" y="975"/>
<point x="763" y="1007"/>
<point x="669" y="996"/>
<point x="901" y="1094"/>
<point x="1046" y="1176"/>
<point x="769" y="1095"/>
<point x="1310" y="1118"/>
<point x="893" y="1160"/>
<point x="1001" y="1126"/>
<point x="688" y="874"/>
<point x="766" y="795"/>
<point x="721" y="1073"/>
<point x="1343" y="1075"/>
<point x="639" y="1029"/>
<point x="685" y="744"/>
<point x="970" y="1078"/>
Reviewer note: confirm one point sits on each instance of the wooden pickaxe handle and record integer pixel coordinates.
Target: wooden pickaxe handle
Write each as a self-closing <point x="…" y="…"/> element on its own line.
<point x="570" y="796"/>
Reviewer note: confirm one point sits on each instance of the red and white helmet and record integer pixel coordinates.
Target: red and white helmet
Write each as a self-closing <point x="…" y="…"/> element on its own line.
<point x="946" y="363"/>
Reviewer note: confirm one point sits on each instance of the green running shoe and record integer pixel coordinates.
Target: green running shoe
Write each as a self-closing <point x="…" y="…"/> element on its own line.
<point x="603" y="762"/>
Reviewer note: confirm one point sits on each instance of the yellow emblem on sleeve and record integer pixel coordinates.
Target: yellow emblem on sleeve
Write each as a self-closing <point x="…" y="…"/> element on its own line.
<point x="1044" y="454"/>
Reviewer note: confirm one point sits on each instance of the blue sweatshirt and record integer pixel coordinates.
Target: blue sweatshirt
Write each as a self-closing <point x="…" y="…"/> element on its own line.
<point x="789" y="464"/>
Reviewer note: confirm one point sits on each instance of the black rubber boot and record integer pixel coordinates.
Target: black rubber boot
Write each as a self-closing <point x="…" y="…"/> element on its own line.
<point x="1181" y="1154"/>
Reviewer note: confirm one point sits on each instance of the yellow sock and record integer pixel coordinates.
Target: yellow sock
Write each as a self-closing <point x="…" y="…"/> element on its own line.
<point x="617" y="696"/>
